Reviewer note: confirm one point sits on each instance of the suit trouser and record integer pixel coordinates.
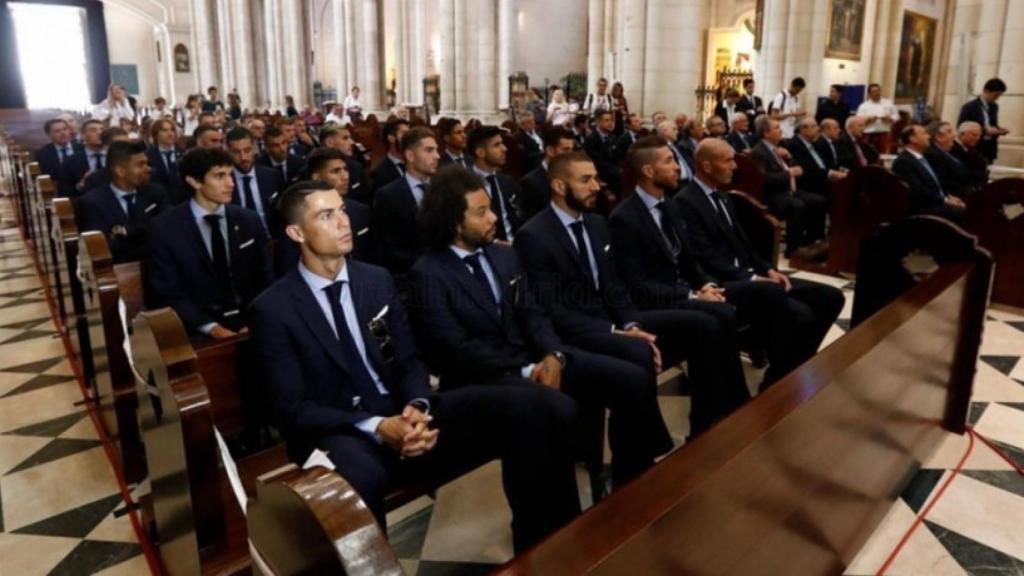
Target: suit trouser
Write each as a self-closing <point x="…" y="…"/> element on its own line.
<point x="528" y="427"/>
<point x="804" y="214"/>
<point x="813" y="307"/>
<point x="764" y="306"/>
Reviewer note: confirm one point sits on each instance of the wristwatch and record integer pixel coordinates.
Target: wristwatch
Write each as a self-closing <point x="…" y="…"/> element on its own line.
<point x="560" y="357"/>
<point x="421" y="405"/>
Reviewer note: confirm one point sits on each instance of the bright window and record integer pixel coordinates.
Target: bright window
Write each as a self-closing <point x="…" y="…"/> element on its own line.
<point x="51" y="52"/>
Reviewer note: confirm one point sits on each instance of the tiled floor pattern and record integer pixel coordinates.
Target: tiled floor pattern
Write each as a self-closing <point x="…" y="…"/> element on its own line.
<point x="60" y="509"/>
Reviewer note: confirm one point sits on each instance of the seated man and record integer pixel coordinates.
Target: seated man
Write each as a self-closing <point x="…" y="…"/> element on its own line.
<point x="78" y="167"/>
<point x="535" y="192"/>
<point x="529" y="142"/>
<point x="739" y="137"/>
<point x="816" y="174"/>
<point x="853" y="149"/>
<point x="927" y="193"/>
<point x="691" y="134"/>
<point x="52" y="156"/>
<point x="329" y="165"/>
<point x="453" y="134"/>
<point x="571" y="264"/>
<point x="727" y="109"/>
<point x="208" y="258"/>
<point x="825" y="145"/>
<point x="301" y="143"/>
<point x="489" y="153"/>
<point x="719" y="243"/>
<point x="478" y="324"/>
<point x="633" y="131"/>
<point x="804" y="212"/>
<point x="600" y="146"/>
<point x="163" y="159"/>
<point x="396" y="206"/>
<point x="101" y="177"/>
<point x="340" y="138"/>
<point x="209" y="137"/>
<point x="123" y="209"/>
<point x="277" y="156"/>
<point x="341" y="366"/>
<point x="965" y="149"/>
<point x="715" y="127"/>
<point x="256" y="186"/>
<point x="669" y="131"/>
<point x="392" y="167"/>
<point x="951" y="171"/>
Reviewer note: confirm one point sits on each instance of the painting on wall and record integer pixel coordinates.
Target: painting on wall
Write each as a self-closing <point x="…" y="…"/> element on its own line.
<point x="845" y="30"/>
<point x="127" y="75"/>
<point x="181" y="63"/>
<point x="917" y="49"/>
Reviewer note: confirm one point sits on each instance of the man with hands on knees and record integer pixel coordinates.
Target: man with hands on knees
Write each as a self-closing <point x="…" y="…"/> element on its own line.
<point x="342" y="369"/>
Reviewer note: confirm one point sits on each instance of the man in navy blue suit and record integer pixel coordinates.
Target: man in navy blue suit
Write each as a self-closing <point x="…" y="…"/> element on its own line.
<point x="331" y="166"/>
<point x="392" y="167"/>
<point x="123" y="209"/>
<point x="535" y="192"/>
<point x="453" y="135"/>
<point x="333" y="340"/>
<point x="478" y="324"/>
<point x="396" y="206"/>
<point x="51" y="157"/>
<point x="568" y="255"/>
<point x="489" y="155"/>
<point x="208" y="258"/>
<point x="277" y="157"/>
<point x="77" y="168"/>
<point x="163" y="159"/>
<point x="928" y="194"/>
<point x="340" y="138"/>
<point x="256" y="186"/>
<point x="985" y="111"/>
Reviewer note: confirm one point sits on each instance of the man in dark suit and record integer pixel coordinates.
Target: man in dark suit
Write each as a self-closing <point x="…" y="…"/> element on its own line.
<point x="341" y="367"/>
<point x="256" y="187"/>
<point x="739" y="137"/>
<point x="804" y="212"/>
<point x="669" y="131"/>
<point x="329" y="165"/>
<point x="600" y="146"/>
<point x="853" y="150"/>
<point x="726" y="109"/>
<point x="340" y="138"/>
<point x="825" y="145"/>
<point x="489" y="153"/>
<point x="634" y="130"/>
<point x="76" y="168"/>
<point x="208" y="136"/>
<point x="396" y="206"/>
<point x="834" y="107"/>
<point x="52" y="156"/>
<point x="985" y="111"/>
<point x="927" y="193"/>
<point x="535" y="192"/>
<point x="123" y="209"/>
<point x="529" y="142"/>
<point x="208" y="258"/>
<point x="718" y="241"/>
<point x="817" y="175"/>
<point x="750" y="105"/>
<point x="392" y="167"/>
<point x="568" y="255"/>
<point x="453" y="134"/>
<point x="163" y="159"/>
<point x="951" y="171"/>
<point x="101" y="177"/>
<point x="580" y="129"/>
<point x="479" y="324"/>
<point x="277" y="156"/>
<point x="965" y="149"/>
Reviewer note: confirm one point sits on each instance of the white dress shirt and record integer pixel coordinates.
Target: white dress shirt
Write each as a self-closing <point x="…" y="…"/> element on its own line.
<point x="882" y="109"/>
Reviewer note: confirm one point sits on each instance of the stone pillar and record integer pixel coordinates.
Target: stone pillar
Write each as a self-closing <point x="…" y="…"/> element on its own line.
<point x="1011" y="70"/>
<point x="372" y="94"/>
<point x="296" y="61"/>
<point x="673" y="53"/>
<point x="486" y="93"/>
<point x="447" y="63"/>
<point x="227" y="66"/>
<point x="242" y="48"/>
<point x="403" y="61"/>
<point x="596" y="39"/>
<point x="340" y="48"/>
<point x="205" y="40"/>
<point x="462" y="51"/>
<point x="351" y="47"/>
<point x="275" y="60"/>
<point x="506" y="47"/>
<point x="988" y="44"/>
<point x="631" y="66"/>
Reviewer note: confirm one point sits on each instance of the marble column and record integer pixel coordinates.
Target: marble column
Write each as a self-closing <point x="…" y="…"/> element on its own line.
<point x="673" y="52"/>
<point x="205" y="50"/>
<point x="350" y="50"/>
<point x="462" y="50"/>
<point x="242" y="49"/>
<point x="446" y="29"/>
<point x="372" y="92"/>
<point x="1011" y="70"/>
<point x="340" y="48"/>
<point x="222" y="16"/>
<point x="595" y="39"/>
<point x="296" y="61"/>
<point x="486" y="92"/>
<point x="631" y="66"/>
<point x="403" y="61"/>
<point x="988" y="44"/>
<point x="506" y="47"/>
<point x="274" y="59"/>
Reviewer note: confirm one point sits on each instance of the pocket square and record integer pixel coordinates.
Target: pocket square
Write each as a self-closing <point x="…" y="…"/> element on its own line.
<point x="607" y="247"/>
<point x="247" y="244"/>
<point x="149" y="209"/>
<point x="354" y="186"/>
<point x="363" y="231"/>
<point x="272" y="196"/>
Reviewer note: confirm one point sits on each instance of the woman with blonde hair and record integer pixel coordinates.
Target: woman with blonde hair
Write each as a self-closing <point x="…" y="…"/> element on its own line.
<point x="558" y="111"/>
<point x="115" y="107"/>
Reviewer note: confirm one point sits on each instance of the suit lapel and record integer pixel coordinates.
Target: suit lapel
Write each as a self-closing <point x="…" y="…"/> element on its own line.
<point x="464" y="278"/>
<point x="313" y="316"/>
<point x="363" y="302"/>
<point x="562" y="237"/>
<point x="651" y="227"/>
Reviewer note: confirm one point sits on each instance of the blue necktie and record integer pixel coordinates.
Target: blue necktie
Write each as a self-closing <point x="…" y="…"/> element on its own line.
<point x="928" y="168"/>
<point x="473" y="260"/>
<point x="250" y="203"/>
<point x="581" y="249"/>
<point x="372" y="399"/>
<point x="814" y="154"/>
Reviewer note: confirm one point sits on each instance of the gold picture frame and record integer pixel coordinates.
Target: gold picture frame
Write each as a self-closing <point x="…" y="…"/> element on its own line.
<point x="845" y="30"/>
<point x="916" y="56"/>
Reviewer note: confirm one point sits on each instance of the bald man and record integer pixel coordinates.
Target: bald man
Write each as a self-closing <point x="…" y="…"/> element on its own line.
<point x="826" y="144"/>
<point x="725" y="252"/>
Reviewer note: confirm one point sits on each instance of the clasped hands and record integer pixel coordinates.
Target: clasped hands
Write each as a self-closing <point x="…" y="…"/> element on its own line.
<point x="408" y="433"/>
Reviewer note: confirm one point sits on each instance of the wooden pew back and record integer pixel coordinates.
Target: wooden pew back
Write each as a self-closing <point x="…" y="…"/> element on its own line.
<point x="46" y="189"/>
<point x="66" y="286"/>
<point x="988" y="216"/>
<point x="762" y="229"/>
<point x="748" y="178"/>
<point x="862" y="202"/>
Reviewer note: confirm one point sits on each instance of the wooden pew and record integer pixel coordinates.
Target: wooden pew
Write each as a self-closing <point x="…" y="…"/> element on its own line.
<point x="748" y="178"/>
<point x="66" y="286"/>
<point x="762" y="229"/>
<point x="28" y="195"/>
<point x="988" y="217"/>
<point x="46" y="190"/>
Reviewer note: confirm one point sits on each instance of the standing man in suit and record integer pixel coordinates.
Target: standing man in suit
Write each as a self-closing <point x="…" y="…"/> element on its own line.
<point x="52" y="157"/>
<point x="927" y="193"/>
<point x="569" y="258"/>
<point x="479" y="325"/>
<point x="163" y="159"/>
<point x="208" y="258"/>
<point x="340" y="138"/>
<point x="341" y="366"/>
<point x="78" y="167"/>
<point x="489" y="152"/>
<point x="600" y="146"/>
<point x="718" y="241"/>
<point x="669" y="132"/>
<point x="834" y="107"/>
<point x="985" y="111"/>
<point x="749" y="104"/>
<point x="535" y="191"/>
<point x="739" y="137"/>
<point x="530" y="142"/>
<point x="277" y="156"/>
<point x="853" y="150"/>
<point x="256" y="187"/>
<point x="453" y="134"/>
<point x="396" y="206"/>
<point x="329" y="165"/>
<point x="950" y="170"/>
<point x="817" y="175"/>
<point x="804" y="212"/>
<point x="392" y="167"/>
<point x="123" y="209"/>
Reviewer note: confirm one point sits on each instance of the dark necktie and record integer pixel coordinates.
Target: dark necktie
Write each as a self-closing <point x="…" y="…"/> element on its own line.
<point x="250" y="203"/>
<point x="283" y="167"/>
<point x="97" y="164"/>
<point x="219" y="254"/>
<point x="169" y="160"/>
<point x="720" y="208"/>
<point x="102" y="159"/>
<point x="928" y="169"/>
<point x="129" y="202"/>
<point x="63" y="154"/>
<point x="497" y="206"/>
<point x="581" y="249"/>
<point x="473" y="261"/>
<point x="667" y="228"/>
<point x="372" y="399"/>
<point x="423" y="194"/>
<point x="401" y="167"/>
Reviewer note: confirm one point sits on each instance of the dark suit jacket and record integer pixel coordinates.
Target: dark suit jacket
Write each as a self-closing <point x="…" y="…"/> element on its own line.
<point x="605" y="158"/>
<point x="974" y="111"/>
<point x="511" y="196"/>
<point x="622" y="145"/>
<point x="288" y="253"/>
<point x="395" y="223"/>
<point x="293" y="166"/>
<point x="848" y="155"/>
<point x="829" y="154"/>
<point x="73" y="171"/>
<point x="177" y="191"/>
<point x="951" y="171"/>
<point x="736" y="140"/>
<point x="49" y="159"/>
<point x="99" y="209"/>
<point x="535" y="192"/>
<point x="385" y="173"/>
<point x="924" y="190"/>
<point x="776" y="177"/>
<point x="814" y="178"/>
<point x="657" y="279"/>
<point x="838" y="111"/>
<point x="533" y="152"/>
<point x="750" y="108"/>
<point x="717" y="245"/>
<point x="464" y="336"/>
<point x="560" y="283"/>
<point x="358" y="185"/>
<point x="977" y="166"/>
<point x="446" y="160"/>
<point x="270" y="184"/>
<point x="180" y="270"/>
<point x="311" y="387"/>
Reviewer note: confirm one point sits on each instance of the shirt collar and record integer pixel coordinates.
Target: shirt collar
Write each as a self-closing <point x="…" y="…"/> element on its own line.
<point x="316" y="282"/>
<point x="564" y="217"/>
<point x="453" y="156"/>
<point x="806" y="142"/>
<point x="120" y="193"/>
<point x="198" y="211"/>
<point x="463" y="253"/>
<point x="239" y="173"/>
<point x="915" y="153"/>
<point x="413" y="182"/>
<point x="481" y="173"/>
<point x="647" y="199"/>
<point x="395" y="160"/>
<point x="708" y="191"/>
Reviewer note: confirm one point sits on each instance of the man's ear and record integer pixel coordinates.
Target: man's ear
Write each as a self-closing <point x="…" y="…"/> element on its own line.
<point x="193" y="184"/>
<point x="295" y="233"/>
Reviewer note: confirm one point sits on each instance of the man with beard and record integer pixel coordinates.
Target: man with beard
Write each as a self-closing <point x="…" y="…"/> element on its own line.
<point x="277" y="156"/>
<point x="568" y="256"/>
<point x="256" y="187"/>
<point x="478" y="325"/>
<point x="340" y="138"/>
<point x="489" y="154"/>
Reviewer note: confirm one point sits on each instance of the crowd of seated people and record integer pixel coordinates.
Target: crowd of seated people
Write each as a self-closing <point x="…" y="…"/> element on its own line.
<point x="532" y="296"/>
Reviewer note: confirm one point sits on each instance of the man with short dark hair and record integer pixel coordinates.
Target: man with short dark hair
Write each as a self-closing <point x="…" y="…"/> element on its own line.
<point x="343" y="375"/>
<point x="331" y="165"/>
<point x="208" y="258"/>
<point x="928" y="194"/>
<point x="453" y="135"/>
<point x="535" y="192"/>
<point x="580" y="129"/>
<point x="397" y="205"/>
<point x="277" y="156"/>
<point x="632" y="131"/>
<point x="256" y="186"/>
<point x="600" y="146"/>
<point x="749" y="104"/>
<point x="78" y="167"/>
<point x="52" y="156"/>
<point x="489" y="153"/>
<point x="529" y="142"/>
<point x="787" y="107"/>
<point x="726" y="109"/>
<point x="123" y="209"/>
<point x="834" y="107"/>
<point x="392" y="167"/>
<point x="208" y="137"/>
<point x="339" y="138"/>
<point x="985" y="111"/>
<point x="879" y="116"/>
<point x="212" y="103"/>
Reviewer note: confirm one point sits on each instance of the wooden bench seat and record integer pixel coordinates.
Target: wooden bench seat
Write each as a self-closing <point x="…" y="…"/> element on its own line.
<point x="988" y="216"/>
